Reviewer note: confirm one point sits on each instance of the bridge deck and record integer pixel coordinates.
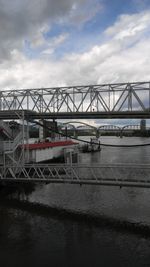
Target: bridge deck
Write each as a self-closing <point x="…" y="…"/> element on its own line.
<point x="29" y="115"/>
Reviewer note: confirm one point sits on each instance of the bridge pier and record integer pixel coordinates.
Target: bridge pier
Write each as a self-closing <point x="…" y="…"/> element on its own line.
<point x="121" y="134"/>
<point x="75" y="134"/>
<point x="97" y="134"/>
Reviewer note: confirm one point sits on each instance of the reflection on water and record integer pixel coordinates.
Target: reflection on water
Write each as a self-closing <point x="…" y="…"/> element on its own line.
<point x="32" y="239"/>
<point x="28" y="239"/>
<point x="122" y="203"/>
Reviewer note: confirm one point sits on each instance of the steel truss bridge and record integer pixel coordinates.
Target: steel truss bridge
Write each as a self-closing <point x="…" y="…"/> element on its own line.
<point x="105" y="127"/>
<point x="126" y="175"/>
<point x="120" y="100"/>
<point x="97" y="131"/>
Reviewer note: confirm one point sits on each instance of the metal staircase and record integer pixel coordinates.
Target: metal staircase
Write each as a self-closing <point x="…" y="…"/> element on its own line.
<point x="11" y="145"/>
<point x="10" y="153"/>
<point x="6" y="129"/>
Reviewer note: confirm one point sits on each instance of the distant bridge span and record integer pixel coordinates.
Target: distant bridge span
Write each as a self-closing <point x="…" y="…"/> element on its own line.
<point x="81" y="124"/>
<point x="109" y="127"/>
<point x="105" y="101"/>
<point x="102" y="128"/>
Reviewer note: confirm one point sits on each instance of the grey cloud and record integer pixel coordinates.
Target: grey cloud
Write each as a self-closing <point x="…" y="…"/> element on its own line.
<point x="110" y="62"/>
<point x="20" y="20"/>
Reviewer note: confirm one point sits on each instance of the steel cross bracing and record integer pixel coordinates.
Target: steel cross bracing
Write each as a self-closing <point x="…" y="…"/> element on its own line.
<point x="109" y="175"/>
<point x="101" y="101"/>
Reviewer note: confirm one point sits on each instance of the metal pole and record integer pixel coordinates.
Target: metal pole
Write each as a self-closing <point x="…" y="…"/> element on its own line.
<point x="66" y="133"/>
<point x="27" y="140"/>
<point x="149" y="97"/>
<point x="23" y="136"/>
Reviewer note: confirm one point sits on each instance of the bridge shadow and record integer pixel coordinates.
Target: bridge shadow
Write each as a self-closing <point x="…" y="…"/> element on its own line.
<point x="21" y="191"/>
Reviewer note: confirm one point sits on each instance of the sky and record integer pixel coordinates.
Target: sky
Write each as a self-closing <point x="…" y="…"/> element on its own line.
<point x="46" y="43"/>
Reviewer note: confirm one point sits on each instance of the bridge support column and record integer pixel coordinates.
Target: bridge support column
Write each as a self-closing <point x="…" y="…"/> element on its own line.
<point x="49" y="129"/>
<point x="75" y="134"/>
<point x="121" y="134"/>
<point x="97" y="134"/>
<point x="41" y="130"/>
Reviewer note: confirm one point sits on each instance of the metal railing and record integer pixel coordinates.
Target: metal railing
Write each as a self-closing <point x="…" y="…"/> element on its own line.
<point x="108" y="175"/>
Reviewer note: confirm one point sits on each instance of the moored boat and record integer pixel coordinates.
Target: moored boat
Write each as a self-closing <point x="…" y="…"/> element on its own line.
<point x="47" y="150"/>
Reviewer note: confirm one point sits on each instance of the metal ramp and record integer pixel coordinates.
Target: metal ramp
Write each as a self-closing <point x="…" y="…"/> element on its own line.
<point x="106" y="175"/>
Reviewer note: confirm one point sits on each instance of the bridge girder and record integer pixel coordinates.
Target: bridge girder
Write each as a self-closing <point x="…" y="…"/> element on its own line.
<point x="131" y="127"/>
<point x="81" y="124"/>
<point x="109" y="127"/>
<point x="121" y="100"/>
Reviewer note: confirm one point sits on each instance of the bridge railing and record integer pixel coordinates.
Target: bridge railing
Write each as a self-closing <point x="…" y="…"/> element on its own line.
<point x="120" y="174"/>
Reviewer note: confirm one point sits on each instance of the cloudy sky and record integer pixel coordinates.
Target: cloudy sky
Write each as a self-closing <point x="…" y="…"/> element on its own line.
<point x="45" y="43"/>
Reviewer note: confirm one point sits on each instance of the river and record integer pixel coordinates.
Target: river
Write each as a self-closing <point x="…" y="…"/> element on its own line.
<point x="39" y="237"/>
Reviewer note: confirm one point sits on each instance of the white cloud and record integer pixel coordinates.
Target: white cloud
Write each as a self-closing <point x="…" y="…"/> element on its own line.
<point x="129" y="25"/>
<point x="53" y="43"/>
<point x="129" y="29"/>
<point x="116" y="60"/>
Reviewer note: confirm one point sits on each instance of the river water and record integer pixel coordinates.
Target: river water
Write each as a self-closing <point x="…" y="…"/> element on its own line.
<point x="31" y="237"/>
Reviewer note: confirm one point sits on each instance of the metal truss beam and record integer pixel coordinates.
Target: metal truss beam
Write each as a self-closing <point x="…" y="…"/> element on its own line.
<point x="121" y="100"/>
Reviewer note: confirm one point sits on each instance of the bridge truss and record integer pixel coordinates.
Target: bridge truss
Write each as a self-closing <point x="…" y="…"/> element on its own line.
<point x="105" y="100"/>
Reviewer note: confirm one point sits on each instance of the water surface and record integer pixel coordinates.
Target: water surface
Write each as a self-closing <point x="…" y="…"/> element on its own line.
<point x="31" y="238"/>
